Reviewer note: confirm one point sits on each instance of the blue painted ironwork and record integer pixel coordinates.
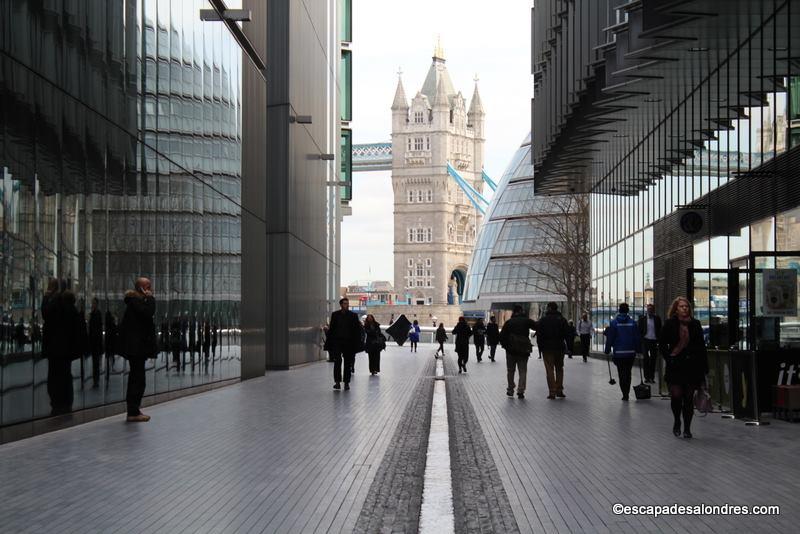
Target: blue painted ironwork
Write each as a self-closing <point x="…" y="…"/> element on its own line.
<point x="372" y="157"/>
<point x="473" y="195"/>
<point x="489" y="181"/>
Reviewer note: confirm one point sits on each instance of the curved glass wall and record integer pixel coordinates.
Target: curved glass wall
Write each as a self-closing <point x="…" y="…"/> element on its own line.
<point x="507" y="265"/>
<point x="120" y="141"/>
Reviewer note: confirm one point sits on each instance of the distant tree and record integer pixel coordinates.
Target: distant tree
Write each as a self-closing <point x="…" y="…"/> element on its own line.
<point x="559" y="262"/>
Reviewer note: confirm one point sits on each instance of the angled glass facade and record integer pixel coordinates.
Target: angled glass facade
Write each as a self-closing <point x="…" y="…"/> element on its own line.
<point x="120" y="153"/>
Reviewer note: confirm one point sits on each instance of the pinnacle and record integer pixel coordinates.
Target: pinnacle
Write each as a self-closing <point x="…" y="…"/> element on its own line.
<point x="400" y="101"/>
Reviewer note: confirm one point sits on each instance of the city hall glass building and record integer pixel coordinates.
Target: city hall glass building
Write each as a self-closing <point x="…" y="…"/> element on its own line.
<point x="138" y="139"/>
<point x="681" y="119"/>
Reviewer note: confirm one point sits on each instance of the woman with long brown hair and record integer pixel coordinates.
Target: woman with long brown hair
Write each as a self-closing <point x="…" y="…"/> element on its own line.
<point x="684" y="351"/>
<point x="374" y="344"/>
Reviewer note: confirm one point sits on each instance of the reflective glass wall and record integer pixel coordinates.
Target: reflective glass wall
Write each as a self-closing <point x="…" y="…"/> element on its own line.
<point x="120" y="150"/>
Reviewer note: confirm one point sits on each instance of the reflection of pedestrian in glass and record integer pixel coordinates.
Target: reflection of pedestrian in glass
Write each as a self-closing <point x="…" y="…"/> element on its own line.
<point x="193" y="345"/>
<point x="110" y="343"/>
<point x="58" y="315"/>
<point x="19" y="335"/>
<point x="206" y="340"/>
<point x="176" y="339"/>
<point x="214" y="334"/>
<point x="95" y="341"/>
<point x="138" y="343"/>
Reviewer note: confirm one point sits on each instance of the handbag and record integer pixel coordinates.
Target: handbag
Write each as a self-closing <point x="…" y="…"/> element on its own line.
<point x="642" y="391"/>
<point x="702" y="401"/>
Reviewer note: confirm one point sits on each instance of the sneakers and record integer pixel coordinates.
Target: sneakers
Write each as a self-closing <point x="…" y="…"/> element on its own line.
<point x="520" y="395"/>
<point x="510" y="392"/>
<point x="337" y="386"/>
<point x="346" y="386"/>
<point x="141" y="418"/>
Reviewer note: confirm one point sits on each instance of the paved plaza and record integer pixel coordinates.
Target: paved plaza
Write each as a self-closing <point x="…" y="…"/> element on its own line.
<point x="286" y="453"/>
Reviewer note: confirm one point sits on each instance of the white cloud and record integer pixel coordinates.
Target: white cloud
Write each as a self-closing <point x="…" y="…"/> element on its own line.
<point x="490" y="39"/>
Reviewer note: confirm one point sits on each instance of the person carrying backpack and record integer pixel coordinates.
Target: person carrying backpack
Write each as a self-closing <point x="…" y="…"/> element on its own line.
<point x="515" y="339"/>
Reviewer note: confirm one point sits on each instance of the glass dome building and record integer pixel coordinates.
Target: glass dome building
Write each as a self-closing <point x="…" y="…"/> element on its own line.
<point x="507" y="265"/>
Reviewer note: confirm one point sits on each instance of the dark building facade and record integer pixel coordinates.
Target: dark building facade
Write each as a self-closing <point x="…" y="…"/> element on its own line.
<point x="681" y="119"/>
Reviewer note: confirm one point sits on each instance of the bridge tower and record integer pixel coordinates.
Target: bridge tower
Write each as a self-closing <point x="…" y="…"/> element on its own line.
<point x="435" y="224"/>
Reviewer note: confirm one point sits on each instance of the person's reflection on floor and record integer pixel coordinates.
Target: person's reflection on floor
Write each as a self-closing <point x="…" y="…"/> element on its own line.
<point x="58" y="314"/>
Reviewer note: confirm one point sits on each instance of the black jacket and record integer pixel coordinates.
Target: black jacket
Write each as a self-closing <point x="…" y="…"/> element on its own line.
<point x="95" y="332"/>
<point x="643" y="326"/>
<point x="375" y="341"/>
<point x="462" y="331"/>
<point x="520" y="326"/>
<point x="492" y="334"/>
<point x="137" y="331"/>
<point x="691" y="365"/>
<point x="345" y="332"/>
<point x="479" y="335"/>
<point x="552" y="331"/>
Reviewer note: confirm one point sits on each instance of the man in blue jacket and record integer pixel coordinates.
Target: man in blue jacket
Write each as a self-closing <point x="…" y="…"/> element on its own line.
<point x="623" y="336"/>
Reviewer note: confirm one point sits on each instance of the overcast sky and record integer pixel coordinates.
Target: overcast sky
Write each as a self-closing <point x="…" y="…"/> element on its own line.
<point x="490" y="39"/>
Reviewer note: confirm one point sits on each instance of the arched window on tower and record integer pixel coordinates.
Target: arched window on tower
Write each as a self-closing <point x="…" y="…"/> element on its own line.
<point x="410" y="196"/>
<point x="419" y="117"/>
<point x="409" y="143"/>
<point x="410" y="235"/>
<point x="420" y="198"/>
<point x="427" y="143"/>
<point x="430" y="195"/>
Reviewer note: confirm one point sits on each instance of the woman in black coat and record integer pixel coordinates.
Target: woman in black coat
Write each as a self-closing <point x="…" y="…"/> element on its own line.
<point x="374" y="343"/>
<point x="684" y="351"/>
<point x="479" y="338"/>
<point x="492" y="336"/>
<point x="462" y="331"/>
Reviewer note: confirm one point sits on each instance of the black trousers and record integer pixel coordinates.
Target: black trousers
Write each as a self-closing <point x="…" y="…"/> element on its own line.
<point x="441" y="347"/>
<point x="349" y="360"/>
<point x="463" y="356"/>
<point x="479" y="351"/>
<point x="586" y="342"/>
<point x="624" y="366"/>
<point x="650" y="354"/>
<point x="374" y="361"/>
<point x="96" y="357"/>
<point x="136" y="385"/>
<point x="492" y="350"/>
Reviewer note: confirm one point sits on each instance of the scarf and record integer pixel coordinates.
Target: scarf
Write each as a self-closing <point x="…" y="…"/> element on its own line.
<point x="683" y="337"/>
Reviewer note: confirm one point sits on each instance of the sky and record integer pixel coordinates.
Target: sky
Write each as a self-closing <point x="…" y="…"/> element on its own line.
<point x="487" y="39"/>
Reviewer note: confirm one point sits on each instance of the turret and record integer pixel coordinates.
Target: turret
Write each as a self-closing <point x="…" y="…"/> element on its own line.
<point x="399" y="107"/>
<point x="476" y="118"/>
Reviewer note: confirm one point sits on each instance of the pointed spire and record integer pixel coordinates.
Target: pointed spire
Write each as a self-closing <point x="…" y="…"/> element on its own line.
<point x="441" y="98"/>
<point x="476" y="106"/>
<point x="400" y="101"/>
<point x="438" y="51"/>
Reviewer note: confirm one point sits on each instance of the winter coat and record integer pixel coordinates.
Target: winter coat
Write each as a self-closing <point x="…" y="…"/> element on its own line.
<point x="516" y="335"/>
<point x="691" y="365"/>
<point x="345" y="332"/>
<point x="492" y="334"/>
<point x="376" y="341"/>
<point x="623" y="337"/>
<point x="414" y="335"/>
<point x="137" y="331"/>
<point x="441" y="335"/>
<point x="479" y="335"/>
<point x="95" y="332"/>
<point x="462" y="331"/>
<point x="643" y="325"/>
<point x="552" y="332"/>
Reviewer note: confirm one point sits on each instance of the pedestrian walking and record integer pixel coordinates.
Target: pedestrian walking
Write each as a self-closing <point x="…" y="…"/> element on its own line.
<point x="585" y="332"/>
<point x="649" y="330"/>
<point x="111" y="344"/>
<point x="479" y="338"/>
<point x="552" y="332"/>
<point x="492" y="336"/>
<point x="175" y="341"/>
<point x="441" y="338"/>
<point x="623" y="337"/>
<point x="206" y="340"/>
<point x="516" y="340"/>
<point x="462" y="332"/>
<point x="214" y="339"/>
<point x="413" y="335"/>
<point x="95" y="341"/>
<point x="345" y="333"/>
<point x="375" y="343"/>
<point x="684" y="350"/>
<point x="138" y="343"/>
<point x="58" y="344"/>
<point x="570" y="341"/>
<point x="19" y="335"/>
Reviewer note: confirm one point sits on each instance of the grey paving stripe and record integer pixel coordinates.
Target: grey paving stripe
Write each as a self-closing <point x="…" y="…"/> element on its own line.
<point x="394" y="499"/>
<point x="479" y="498"/>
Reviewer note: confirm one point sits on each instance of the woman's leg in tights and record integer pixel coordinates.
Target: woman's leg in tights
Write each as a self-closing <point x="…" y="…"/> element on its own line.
<point x="682" y="402"/>
<point x="676" y="403"/>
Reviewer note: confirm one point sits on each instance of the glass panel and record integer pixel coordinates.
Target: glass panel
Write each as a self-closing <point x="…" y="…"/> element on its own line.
<point x="346" y="85"/>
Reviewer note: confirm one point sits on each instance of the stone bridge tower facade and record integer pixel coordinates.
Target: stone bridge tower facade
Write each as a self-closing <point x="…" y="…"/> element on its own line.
<point x="435" y="224"/>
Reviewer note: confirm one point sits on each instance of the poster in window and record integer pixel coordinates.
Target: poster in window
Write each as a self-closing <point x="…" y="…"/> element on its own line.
<point x="779" y="293"/>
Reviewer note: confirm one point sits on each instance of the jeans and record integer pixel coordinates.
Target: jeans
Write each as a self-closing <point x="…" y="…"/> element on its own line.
<point x="136" y="385"/>
<point x="517" y="362"/>
<point x="441" y="347"/>
<point x="624" y="366"/>
<point x="349" y="360"/>
<point x="554" y="368"/>
<point x="492" y="351"/>
<point x="650" y="355"/>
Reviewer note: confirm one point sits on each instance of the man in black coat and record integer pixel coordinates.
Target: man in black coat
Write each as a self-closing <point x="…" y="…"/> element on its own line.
<point x="492" y="336"/>
<point x="138" y="343"/>
<point x="345" y="335"/>
<point x="516" y="339"/>
<point x="552" y="332"/>
<point x="650" y="331"/>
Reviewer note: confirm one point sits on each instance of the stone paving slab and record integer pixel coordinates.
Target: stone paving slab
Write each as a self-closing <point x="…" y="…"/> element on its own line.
<point x="283" y="453"/>
<point x="564" y="463"/>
